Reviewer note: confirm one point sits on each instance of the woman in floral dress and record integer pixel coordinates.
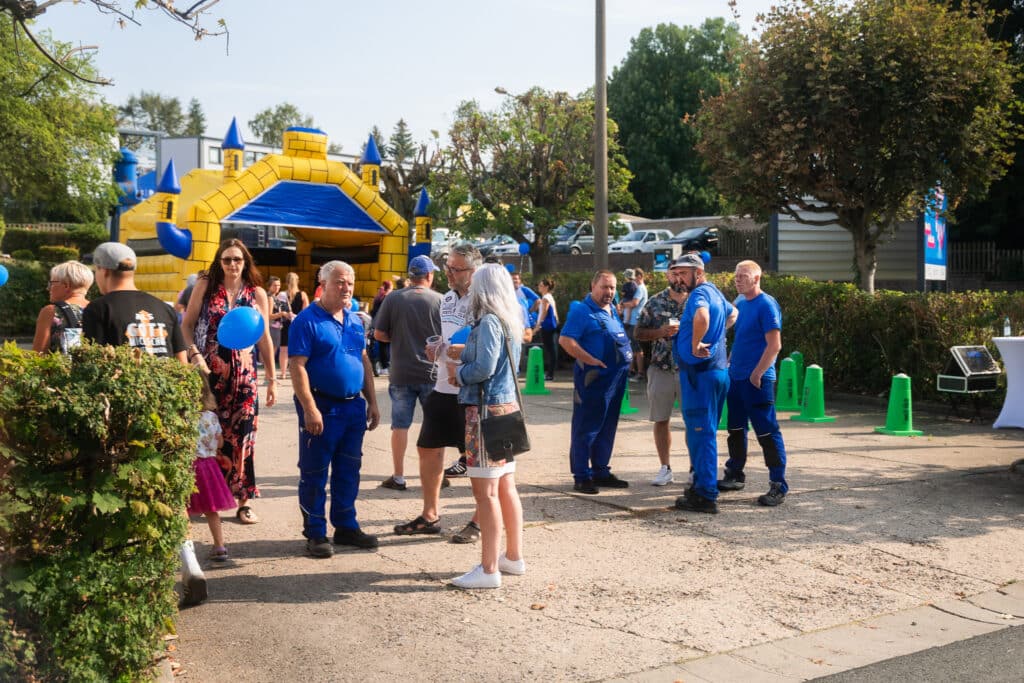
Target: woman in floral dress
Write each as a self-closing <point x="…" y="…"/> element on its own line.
<point x="231" y="281"/>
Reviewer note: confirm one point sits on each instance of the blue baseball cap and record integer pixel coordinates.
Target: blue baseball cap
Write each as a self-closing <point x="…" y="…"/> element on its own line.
<point x="422" y="266"/>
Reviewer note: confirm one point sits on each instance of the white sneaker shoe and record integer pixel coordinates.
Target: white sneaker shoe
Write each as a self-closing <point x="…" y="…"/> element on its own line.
<point x="476" y="578"/>
<point x="663" y="477"/>
<point x="513" y="567"/>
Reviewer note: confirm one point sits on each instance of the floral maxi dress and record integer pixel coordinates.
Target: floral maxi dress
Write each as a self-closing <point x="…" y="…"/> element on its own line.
<point x="234" y="383"/>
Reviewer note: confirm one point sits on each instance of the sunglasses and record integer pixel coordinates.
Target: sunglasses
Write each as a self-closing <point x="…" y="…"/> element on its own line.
<point x="231" y="259"/>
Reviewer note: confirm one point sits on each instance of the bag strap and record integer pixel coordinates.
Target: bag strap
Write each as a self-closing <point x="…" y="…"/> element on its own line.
<point x="72" y="314"/>
<point x="515" y="381"/>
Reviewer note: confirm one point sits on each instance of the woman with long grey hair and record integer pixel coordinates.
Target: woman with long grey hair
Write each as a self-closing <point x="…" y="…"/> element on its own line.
<point x="487" y="381"/>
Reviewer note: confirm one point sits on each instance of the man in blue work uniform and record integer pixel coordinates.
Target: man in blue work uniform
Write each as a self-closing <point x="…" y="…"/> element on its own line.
<point x="703" y="379"/>
<point x="329" y="367"/>
<point x="594" y="336"/>
<point x="751" y="397"/>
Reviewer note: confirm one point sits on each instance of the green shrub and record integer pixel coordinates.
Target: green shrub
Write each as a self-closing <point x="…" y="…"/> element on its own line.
<point x="52" y="254"/>
<point x="95" y="457"/>
<point x="24" y="255"/>
<point x="22" y="297"/>
<point x="3" y="229"/>
<point x="19" y="239"/>
<point x="87" y="236"/>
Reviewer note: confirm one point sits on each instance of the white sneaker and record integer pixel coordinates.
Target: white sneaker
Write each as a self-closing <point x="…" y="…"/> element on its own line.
<point x="477" y="578"/>
<point x="513" y="567"/>
<point x="663" y="477"/>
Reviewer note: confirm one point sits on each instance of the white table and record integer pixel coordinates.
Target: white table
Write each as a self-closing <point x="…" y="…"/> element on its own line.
<point x="1012" y="351"/>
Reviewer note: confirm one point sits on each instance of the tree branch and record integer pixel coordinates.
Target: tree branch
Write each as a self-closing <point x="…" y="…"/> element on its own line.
<point x="59" y="62"/>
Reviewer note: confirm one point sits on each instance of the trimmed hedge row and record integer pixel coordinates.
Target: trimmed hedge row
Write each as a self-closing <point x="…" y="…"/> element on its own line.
<point x="859" y="340"/>
<point x="22" y="297"/>
<point x="95" y="470"/>
<point x="82" y="238"/>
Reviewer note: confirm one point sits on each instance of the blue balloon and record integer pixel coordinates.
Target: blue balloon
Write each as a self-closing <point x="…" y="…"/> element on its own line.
<point x="174" y="240"/>
<point x="510" y="267"/>
<point x="240" y="328"/>
<point x="3" y="276"/>
<point x="355" y="304"/>
<point x="524" y="248"/>
<point x="460" y="337"/>
<point x="705" y="256"/>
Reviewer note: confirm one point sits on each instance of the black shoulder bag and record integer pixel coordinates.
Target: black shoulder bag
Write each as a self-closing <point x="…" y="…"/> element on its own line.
<point x="504" y="436"/>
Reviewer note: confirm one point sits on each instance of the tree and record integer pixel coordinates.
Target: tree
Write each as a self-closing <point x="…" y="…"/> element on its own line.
<point x="857" y="110"/>
<point x="195" y="123"/>
<point x="153" y="111"/>
<point x="401" y="146"/>
<point x="660" y="82"/>
<point x="22" y="12"/>
<point x="58" y="136"/>
<point x="269" y="125"/>
<point x="531" y="160"/>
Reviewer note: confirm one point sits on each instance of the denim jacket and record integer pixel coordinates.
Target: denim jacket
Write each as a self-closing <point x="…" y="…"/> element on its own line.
<point x="485" y="360"/>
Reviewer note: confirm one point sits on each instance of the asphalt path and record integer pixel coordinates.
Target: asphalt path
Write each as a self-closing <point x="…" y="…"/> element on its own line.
<point x="994" y="657"/>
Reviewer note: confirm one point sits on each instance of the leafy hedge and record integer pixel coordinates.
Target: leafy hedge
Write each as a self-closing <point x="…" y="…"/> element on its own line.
<point x="95" y="456"/>
<point x="22" y="297"/>
<point x="83" y="238"/>
<point x="859" y="340"/>
<point x="54" y="254"/>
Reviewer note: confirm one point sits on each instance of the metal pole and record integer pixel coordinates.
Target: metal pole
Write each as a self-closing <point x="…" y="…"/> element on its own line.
<point x="600" y="144"/>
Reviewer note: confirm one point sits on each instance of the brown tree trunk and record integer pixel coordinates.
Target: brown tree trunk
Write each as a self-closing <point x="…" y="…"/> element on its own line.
<point x="865" y="256"/>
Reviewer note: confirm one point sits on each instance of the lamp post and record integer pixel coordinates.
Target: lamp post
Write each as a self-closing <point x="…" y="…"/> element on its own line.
<point x="600" y="143"/>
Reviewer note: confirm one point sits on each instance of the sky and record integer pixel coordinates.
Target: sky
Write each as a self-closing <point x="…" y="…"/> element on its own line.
<point x="353" y="65"/>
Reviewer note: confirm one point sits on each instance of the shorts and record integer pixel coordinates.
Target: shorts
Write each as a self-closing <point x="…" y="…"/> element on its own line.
<point x="403" y="402"/>
<point x="662" y="393"/>
<point x="485" y="468"/>
<point x="444" y="422"/>
<point x="631" y="335"/>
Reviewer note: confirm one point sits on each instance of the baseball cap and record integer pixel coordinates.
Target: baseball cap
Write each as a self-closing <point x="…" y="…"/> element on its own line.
<point x="689" y="261"/>
<point x="114" y="256"/>
<point x="421" y="265"/>
<point x="629" y="273"/>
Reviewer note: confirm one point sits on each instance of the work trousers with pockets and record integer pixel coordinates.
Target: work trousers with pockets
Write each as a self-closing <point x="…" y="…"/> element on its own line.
<point x="595" y="418"/>
<point x="340" y="449"/>
<point x="703" y="393"/>
<point x="748" y="403"/>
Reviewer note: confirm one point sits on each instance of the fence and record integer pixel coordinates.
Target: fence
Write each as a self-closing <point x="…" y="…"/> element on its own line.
<point x="743" y="244"/>
<point x="41" y="227"/>
<point x="983" y="259"/>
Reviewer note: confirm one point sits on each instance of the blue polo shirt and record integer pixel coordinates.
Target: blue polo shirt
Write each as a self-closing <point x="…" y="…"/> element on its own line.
<point x="719" y="309"/>
<point x="587" y="324"/>
<point x="333" y="351"/>
<point x="527" y="298"/>
<point x="757" y="317"/>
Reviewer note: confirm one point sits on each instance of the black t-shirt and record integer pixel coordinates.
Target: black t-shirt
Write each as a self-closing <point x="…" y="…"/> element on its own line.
<point x="135" y="318"/>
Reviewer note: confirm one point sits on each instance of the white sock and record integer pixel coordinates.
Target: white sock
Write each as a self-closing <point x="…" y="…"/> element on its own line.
<point x="399" y="479"/>
<point x="189" y="563"/>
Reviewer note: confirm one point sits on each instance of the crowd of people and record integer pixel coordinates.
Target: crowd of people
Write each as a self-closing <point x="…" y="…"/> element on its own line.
<point x="455" y="354"/>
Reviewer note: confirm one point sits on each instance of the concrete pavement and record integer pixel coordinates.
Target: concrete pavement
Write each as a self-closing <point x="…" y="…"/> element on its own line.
<point x="885" y="546"/>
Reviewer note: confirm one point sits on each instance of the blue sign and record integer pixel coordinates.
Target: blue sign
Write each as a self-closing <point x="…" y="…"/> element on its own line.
<point x="936" y="243"/>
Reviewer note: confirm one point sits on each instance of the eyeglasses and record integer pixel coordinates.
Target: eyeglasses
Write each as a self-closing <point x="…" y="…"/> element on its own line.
<point x="456" y="270"/>
<point x="55" y="282"/>
<point x="231" y="259"/>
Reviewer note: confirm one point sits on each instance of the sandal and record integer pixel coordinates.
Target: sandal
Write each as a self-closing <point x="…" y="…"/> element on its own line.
<point x="418" y="526"/>
<point x="245" y="515"/>
<point x="219" y="554"/>
<point x="469" y="534"/>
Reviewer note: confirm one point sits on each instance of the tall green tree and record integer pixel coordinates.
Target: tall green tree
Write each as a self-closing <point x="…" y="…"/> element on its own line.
<point x="269" y="124"/>
<point x="401" y="145"/>
<point x="55" y="161"/>
<point x="153" y="111"/>
<point x="530" y="160"/>
<point x="660" y="82"/>
<point x="850" y="113"/>
<point x="195" y="120"/>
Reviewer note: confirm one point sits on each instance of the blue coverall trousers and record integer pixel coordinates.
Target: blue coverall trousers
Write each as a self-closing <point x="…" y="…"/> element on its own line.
<point x="703" y="394"/>
<point x="339" y="448"/>
<point x="595" y="418"/>
<point x="748" y="403"/>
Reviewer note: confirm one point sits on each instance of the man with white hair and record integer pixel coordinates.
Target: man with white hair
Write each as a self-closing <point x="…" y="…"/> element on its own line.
<point x="330" y="367"/>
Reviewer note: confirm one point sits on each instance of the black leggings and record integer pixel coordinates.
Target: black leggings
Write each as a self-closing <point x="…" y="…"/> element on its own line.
<point x="550" y="351"/>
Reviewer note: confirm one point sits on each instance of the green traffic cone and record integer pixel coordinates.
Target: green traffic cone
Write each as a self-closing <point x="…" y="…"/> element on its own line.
<point x="814" y="397"/>
<point x="535" y="373"/>
<point x="626" y="408"/>
<point x="899" y="421"/>
<point x="798" y="360"/>
<point x="723" y="422"/>
<point x="787" y="399"/>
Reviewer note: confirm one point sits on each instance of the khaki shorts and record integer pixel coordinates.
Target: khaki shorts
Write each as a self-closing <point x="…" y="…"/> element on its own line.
<point x="662" y="393"/>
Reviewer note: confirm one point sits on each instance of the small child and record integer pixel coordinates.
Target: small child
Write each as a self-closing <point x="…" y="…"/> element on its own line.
<point x="212" y="493"/>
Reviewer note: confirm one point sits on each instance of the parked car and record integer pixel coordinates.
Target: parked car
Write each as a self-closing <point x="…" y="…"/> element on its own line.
<point x="441" y="241"/>
<point x="579" y="239"/>
<point x="701" y="238"/>
<point x="639" y="242"/>
<point x="488" y="247"/>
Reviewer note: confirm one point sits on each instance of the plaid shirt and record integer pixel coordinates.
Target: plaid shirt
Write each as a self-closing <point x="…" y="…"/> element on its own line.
<point x="655" y="314"/>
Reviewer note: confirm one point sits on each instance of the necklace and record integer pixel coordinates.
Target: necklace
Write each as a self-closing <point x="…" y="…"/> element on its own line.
<point x="232" y="296"/>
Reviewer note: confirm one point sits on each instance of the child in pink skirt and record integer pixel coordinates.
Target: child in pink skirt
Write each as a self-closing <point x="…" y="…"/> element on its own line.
<point x="212" y="493"/>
